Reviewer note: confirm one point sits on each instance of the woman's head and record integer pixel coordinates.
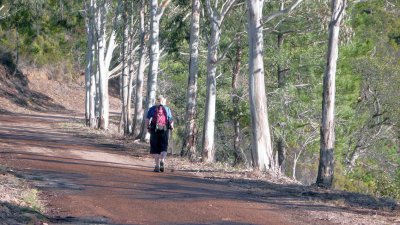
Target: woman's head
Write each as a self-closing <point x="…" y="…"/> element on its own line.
<point x="161" y="100"/>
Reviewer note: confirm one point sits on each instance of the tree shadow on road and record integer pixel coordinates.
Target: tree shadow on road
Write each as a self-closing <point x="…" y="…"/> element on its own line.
<point x="181" y="186"/>
<point x="129" y="181"/>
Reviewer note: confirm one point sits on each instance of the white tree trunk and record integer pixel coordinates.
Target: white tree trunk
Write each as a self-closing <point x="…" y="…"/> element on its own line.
<point x="131" y="73"/>
<point x="261" y="143"/>
<point x="154" y="54"/>
<point x="189" y="141"/>
<point x="124" y="73"/>
<point x="89" y="59"/>
<point x="93" y="97"/>
<point x="326" y="161"/>
<point x="87" y="80"/>
<point x="104" y="60"/>
<point x="294" y="166"/>
<point x="93" y="70"/>
<point x="156" y="13"/>
<point x="211" y="96"/>
<point x="103" y="76"/>
<point x="138" y="116"/>
<point x="216" y="19"/>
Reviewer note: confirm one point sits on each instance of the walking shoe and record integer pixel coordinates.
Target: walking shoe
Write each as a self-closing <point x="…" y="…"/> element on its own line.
<point x="162" y="166"/>
<point x="156" y="169"/>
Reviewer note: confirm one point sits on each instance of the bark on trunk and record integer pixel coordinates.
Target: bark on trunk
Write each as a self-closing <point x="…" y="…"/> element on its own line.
<point x="131" y="73"/>
<point x="261" y="141"/>
<point x="189" y="141"/>
<point x="104" y="59"/>
<point x="216" y="19"/>
<point x="156" y="13"/>
<point x="240" y="157"/>
<point x="281" y="72"/>
<point x="211" y="96"/>
<point x="326" y="161"/>
<point x="124" y="75"/>
<point x="89" y="60"/>
<point x="138" y="116"/>
<point x="103" y="75"/>
<point x="281" y="156"/>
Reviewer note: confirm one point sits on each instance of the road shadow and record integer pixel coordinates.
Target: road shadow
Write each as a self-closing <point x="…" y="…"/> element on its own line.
<point x="137" y="182"/>
<point x="21" y="136"/>
<point x="132" y="182"/>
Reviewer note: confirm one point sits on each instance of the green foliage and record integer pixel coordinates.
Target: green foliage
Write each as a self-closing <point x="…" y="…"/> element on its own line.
<point x="368" y="102"/>
<point x="49" y="31"/>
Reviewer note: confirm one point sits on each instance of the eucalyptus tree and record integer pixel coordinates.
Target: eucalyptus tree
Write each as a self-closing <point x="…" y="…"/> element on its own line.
<point x="138" y="114"/>
<point x="90" y="82"/>
<point x="126" y="65"/>
<point x="124" y="79"/>
<point x="262" y="152"/>
<point x="105" y="47"/>
<point x="294" y="54"/>
<point x="189" y="139"/>
<point x="131" y="53"/>
<point x="240" y="156"/>
<point x="156" y="12"/>
<point x="261" y="143"/>
<point x="216" y="18"/>
<point x="326" y="161"/>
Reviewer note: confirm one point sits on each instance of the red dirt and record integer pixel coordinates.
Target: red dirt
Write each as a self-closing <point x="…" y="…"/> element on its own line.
<point x="117" y="188"/>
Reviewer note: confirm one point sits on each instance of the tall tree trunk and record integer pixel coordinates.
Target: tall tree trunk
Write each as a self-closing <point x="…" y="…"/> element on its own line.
<point x="92" y="106"/>
<point x="103" y="71"/>
<point x="89" y="59"/>
<point x="105" y="52"/>
<point x="281" y="72"/>
<point x="97" y="80"/>
<point x="87" y="80"/>
<point x="240" y="157"/>
<point x="91" y="67"/>
<point x="131" y="73"/>
<point x="281" y="84"/>
<point x="326" y="161"/>
<point x="138" y="116"/>
<point x="216" y="19"/>
<point x="124" y="73"/>
<point x="261" y="141"/>
<point x="97" y="89"/>
<point x="281" y="155"/>
<point x="211" y="96"/>
<point x="156" y="13"/>
<point x="189" y="140"/>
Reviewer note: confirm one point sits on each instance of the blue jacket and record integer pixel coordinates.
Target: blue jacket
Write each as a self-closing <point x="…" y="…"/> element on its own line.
<point x="152" y="111"/>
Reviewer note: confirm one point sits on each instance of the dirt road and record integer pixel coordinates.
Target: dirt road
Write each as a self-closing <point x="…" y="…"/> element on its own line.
<point x="85" y="181"/>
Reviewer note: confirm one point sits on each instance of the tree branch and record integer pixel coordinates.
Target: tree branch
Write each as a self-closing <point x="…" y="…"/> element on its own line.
<point x="225" y="52"/>
<point x="226" y="7"/>
<point x="282" y="12"/>
<point x="162" y="8"/>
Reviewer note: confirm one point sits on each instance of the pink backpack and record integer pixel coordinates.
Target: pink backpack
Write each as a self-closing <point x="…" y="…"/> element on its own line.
<point x="160" y="118"/>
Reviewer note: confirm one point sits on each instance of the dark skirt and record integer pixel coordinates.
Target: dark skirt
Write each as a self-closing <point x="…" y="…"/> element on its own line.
<point x="159" y="141"/>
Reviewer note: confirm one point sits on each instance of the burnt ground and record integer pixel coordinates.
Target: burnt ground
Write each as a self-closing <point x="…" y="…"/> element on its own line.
<point x="91" y="177"/>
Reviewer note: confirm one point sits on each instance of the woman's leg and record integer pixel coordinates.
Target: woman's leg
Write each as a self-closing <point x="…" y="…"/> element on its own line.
<point x="164" y="148"/>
